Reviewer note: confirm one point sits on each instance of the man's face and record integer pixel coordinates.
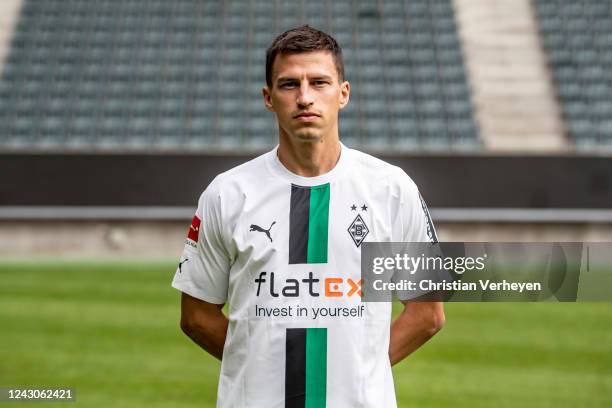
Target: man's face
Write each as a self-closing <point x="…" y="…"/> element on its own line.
<point x="306" y="95"/>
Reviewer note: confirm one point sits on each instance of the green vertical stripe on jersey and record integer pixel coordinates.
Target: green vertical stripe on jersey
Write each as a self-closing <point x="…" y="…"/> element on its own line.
<point x="318" y="224"/>
<point x="316" y="367"/>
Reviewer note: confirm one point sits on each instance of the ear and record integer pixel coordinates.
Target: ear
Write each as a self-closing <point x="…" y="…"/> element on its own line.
<point x="345" y="90"/>
<point x="267" y="98"/>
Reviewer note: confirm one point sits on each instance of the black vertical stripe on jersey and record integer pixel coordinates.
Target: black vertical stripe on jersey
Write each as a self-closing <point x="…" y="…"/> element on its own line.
<point x="295" y="368"/>
<point x="298" y="224"/>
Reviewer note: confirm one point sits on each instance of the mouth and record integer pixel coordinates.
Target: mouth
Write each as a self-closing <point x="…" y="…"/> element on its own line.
<point x="307" y="117"/>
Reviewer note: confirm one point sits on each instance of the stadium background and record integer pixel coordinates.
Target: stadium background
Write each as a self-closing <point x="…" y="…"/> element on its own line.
<point x="114" y="115"/>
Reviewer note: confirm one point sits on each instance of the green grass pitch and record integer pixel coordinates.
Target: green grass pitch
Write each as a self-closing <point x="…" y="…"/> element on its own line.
<point x="110" y="330"/>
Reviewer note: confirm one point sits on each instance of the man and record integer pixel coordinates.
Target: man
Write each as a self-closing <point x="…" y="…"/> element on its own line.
<point x="278" y="238"/>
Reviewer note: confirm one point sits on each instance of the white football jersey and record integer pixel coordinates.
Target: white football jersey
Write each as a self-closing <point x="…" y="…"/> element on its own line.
<point x="284" y="252"/>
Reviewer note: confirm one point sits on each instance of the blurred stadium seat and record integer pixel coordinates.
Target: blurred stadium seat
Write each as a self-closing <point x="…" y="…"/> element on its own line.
<point x="577" y="37"/>
<point x="184" y="75"/>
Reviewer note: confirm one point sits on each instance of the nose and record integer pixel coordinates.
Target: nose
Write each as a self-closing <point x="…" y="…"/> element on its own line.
<point x="304" y="98"/>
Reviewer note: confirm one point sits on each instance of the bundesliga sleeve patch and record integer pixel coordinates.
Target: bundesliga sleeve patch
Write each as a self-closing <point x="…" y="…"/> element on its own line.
<point x="194" y="231"/>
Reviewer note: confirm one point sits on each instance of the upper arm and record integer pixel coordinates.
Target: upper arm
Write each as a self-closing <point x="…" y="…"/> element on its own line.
<point x="195" y="310"/>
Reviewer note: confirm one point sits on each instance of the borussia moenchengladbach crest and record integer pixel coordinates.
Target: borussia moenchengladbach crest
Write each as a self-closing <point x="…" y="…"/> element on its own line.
<point x="358" y="230"/>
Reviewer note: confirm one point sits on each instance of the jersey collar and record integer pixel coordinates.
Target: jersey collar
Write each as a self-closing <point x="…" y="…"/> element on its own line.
<point x="279" y="170"/>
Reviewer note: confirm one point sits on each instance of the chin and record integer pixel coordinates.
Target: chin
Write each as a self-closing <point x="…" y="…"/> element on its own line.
<point x="307" y="136"/>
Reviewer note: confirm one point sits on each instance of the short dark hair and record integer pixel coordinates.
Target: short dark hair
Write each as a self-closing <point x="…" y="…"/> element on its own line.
<point x="303" y="39"/>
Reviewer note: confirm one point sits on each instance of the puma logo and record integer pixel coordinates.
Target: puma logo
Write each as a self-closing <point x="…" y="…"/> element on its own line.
<point x="265" y="231"/>
<point x="181" y="265"/>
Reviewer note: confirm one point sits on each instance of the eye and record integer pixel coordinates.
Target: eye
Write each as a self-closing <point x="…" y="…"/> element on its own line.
<point x="288" y="85"/>
<point x="320" y="82"/>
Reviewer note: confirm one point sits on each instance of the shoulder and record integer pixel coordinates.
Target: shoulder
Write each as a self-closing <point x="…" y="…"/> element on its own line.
<point x="395" y="177"/>
<point x="235" y="181"/>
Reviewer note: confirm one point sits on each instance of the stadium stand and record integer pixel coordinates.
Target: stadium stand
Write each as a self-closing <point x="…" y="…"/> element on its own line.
<point x="577" y="36"/>
<point x="114" y="115"/>
<point x="187" y="75"/>
<point x="512" y="89"/>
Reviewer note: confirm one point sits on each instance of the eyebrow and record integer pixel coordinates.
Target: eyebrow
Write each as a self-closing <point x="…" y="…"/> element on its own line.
<point x="318" y="77"/>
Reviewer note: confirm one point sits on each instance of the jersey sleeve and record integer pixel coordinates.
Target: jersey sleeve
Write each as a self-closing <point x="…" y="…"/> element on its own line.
<point x="203" y="270"/>
<point x="418" y="228"/>
<point x="417" y="224"/>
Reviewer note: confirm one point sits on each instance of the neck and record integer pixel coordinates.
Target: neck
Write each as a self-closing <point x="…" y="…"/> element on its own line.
<point x="309" y="158"/>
